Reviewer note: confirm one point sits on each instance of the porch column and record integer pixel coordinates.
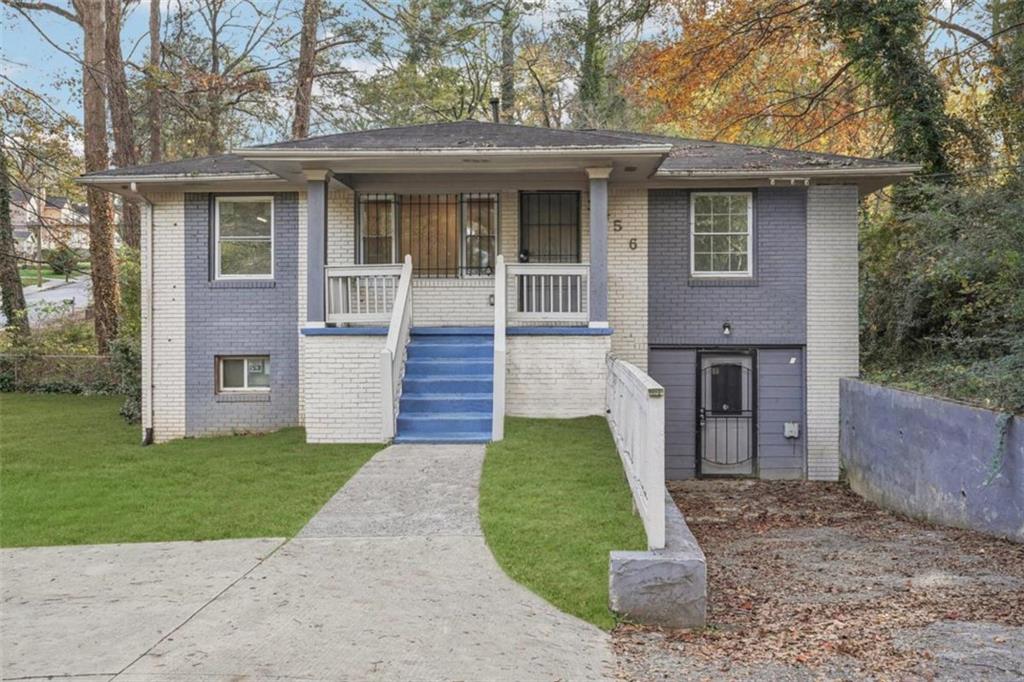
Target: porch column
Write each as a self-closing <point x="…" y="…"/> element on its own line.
<point x="599" y="246"/>
<point x="316" y="245"/>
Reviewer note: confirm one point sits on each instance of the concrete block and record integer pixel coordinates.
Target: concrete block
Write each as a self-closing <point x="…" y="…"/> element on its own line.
<point x="666" y="587"/>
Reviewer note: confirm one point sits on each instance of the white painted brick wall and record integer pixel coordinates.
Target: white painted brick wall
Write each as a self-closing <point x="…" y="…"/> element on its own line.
<point x="441" y="302"/>
<point x="556" y="376"/>
<point x="168" y="323"/>
<point x="343" y="389"/>
<point x="627" y="273"/>
<point x="341" y="227"/>
<point x="832" y="319"/>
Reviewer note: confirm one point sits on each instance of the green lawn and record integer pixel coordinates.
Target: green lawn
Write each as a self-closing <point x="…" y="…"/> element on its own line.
<point x="553" y="503"/>
<point x="72" y="472"/>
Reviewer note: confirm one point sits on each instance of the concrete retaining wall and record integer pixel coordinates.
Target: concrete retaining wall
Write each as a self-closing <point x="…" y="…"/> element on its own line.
<point x="934" y="459"/>
<point x="666" y="587"/>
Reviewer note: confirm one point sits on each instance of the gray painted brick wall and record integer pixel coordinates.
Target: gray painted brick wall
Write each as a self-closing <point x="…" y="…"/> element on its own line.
<point x="240" y="318"/>
<point x="769" y="309"/>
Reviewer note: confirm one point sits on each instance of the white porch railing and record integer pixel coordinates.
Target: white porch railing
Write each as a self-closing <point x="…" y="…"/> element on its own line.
<point x="361" y="294"/>
<point x="549" y="293"/>
<point x="392" y="358"/>
<point x="498" y="404"/>
<point x="636" y="415"/>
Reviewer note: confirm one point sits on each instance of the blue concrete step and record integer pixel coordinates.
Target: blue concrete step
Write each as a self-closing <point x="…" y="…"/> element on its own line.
<point x="447" y="438"/>
<point x="452" y="331"/>
<point x="477" y="385"/>
<point x="434" y="424"/>
<point x="449" y="367"/>
<point x="422" y="350"/>
<point x="448" y="387"/>
<point x="442" y="403"/>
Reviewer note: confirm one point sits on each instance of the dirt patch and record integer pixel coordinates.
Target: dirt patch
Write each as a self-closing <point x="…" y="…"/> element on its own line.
<point x="808" y="581"/>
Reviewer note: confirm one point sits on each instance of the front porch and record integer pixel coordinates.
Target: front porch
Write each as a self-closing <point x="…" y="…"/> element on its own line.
<point x="433" y="314"/>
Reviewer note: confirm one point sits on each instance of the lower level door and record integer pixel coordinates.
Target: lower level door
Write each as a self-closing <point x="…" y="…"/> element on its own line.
<point x="725" y="417"/>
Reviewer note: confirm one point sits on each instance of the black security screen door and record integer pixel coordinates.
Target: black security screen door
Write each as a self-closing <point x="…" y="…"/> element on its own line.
<point x="726" y="424"/>
<point x="549" y="227"/>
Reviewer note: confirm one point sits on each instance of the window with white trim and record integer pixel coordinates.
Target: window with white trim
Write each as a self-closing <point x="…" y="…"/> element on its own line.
<point x="243" y="373"/>
<point x="244" y="237"/>
<point x="721" y="239"/>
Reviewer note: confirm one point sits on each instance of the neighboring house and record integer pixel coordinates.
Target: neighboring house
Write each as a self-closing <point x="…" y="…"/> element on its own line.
<point x="276" y="292"/>
<point x="58" y="220"/>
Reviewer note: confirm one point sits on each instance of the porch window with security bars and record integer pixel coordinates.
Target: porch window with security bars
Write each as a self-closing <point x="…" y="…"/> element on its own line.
<point x="549" y="227"/>
<point x="720" y="234"/>
<point x="447" y="235"/>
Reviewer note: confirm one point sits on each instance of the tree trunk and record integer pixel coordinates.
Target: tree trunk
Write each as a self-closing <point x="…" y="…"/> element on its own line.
<point x="509" y="21"/>
<point x="101" y="223"/>
<point x="305" y="72"/>
<point x="10" y="280"/>
<point x="156" y="115"/>
<point x="125" y="154"/>
<point x="214" y="143"/>
<point x="591" y="84"/>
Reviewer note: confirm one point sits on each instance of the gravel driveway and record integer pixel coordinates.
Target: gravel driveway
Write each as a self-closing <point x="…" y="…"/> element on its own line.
<point x="808" y="581"/>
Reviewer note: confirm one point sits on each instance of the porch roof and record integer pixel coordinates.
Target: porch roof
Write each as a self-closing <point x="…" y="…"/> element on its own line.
<point x="669" y="157"/>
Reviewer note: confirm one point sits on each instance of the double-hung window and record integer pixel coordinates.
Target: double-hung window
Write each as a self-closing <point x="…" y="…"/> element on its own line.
<point x="244" y="237"/>
<point x="721" y="234"/>
<point x="246" y="373"/>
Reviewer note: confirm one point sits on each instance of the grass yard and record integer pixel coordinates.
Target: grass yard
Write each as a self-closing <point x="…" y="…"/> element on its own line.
<point x="553" y="503"/>
<point x="72" y="472"/>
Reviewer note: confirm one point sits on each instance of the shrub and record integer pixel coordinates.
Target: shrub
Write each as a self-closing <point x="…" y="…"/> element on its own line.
<point x="126" y="363"/>
<point x="62" y="261"/>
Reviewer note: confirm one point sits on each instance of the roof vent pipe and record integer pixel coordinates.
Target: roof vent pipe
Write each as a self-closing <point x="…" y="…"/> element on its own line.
<point x="494" y="109"/>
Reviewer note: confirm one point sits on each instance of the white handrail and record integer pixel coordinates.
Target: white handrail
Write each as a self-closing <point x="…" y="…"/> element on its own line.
<point x="498" y="404"/>
<point x="550" y="292"/>
<point x="636" y="416"/>
<point x="360" y="294"/>
<point x="392" y="358"/>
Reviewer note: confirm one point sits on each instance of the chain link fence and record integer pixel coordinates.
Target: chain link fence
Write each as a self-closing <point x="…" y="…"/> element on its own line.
<point x="36" y="373"/>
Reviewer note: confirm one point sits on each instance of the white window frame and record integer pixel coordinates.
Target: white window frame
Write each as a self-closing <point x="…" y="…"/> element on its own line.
<point x="216" y="234"/>
<point x="245" y="374"/>
<point x="712" y="274"/>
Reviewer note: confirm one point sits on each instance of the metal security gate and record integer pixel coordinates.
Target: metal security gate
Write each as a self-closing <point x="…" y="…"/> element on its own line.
<point x="726" y="424"/>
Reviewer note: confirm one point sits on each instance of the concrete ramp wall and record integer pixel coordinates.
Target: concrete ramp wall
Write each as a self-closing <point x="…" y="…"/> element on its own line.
<point x="934" y="459"/>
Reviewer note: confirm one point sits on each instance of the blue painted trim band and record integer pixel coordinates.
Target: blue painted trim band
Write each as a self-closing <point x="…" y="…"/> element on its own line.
<point x="345" y="331"/>
<point x="558" y="331"/>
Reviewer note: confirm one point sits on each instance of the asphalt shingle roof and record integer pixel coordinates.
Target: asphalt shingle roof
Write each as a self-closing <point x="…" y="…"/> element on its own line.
<point x="222" y="164"/>
<point x="685" y="155"/>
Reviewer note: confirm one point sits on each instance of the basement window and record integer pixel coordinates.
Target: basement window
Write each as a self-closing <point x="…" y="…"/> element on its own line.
<point x="721" y="226"/>
<point x="248" y="373"/>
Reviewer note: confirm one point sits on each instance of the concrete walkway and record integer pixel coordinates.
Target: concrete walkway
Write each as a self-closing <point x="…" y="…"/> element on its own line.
<point x="390" y="581"/>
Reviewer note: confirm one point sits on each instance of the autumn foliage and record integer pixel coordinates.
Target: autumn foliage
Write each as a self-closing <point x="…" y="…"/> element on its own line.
<point x="755" y="71"/>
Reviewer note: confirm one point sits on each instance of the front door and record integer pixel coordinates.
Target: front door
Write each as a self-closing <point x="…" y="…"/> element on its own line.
<point x="726" y="428"/>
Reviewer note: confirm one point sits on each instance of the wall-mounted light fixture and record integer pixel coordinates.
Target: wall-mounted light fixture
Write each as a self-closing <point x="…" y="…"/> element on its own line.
<point x="726" y="329"/>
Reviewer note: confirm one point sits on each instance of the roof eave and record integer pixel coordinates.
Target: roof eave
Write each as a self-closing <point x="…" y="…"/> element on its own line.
<point x="728" y="174"/>
<point x="171" y="177"/>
